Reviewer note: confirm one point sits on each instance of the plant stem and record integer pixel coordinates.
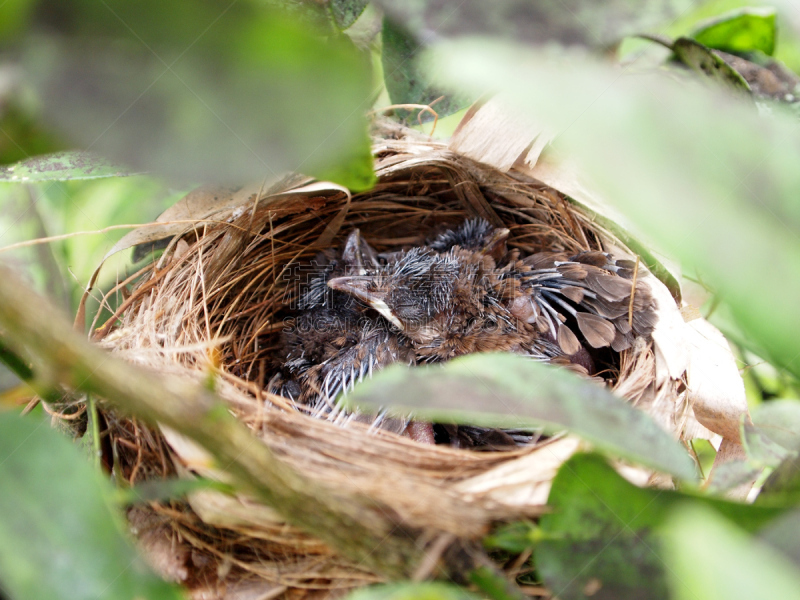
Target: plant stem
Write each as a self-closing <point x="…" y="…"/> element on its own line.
<point x="354" y="525"/>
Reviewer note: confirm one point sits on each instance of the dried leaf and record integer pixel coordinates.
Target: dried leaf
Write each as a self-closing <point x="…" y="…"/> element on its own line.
<point x="492" y="134"/>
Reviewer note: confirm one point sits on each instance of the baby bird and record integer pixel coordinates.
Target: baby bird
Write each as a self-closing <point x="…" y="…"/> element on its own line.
<point x="473" y="234"/>
<point x="445" y="305"/>
<point x="589" y="291"/>
<point x="459" y="300"/>
<point x="336" y="340"/>
<point x="462" y="292"/>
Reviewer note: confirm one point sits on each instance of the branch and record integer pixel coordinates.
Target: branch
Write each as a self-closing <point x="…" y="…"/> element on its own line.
<point x="354" y="525"/>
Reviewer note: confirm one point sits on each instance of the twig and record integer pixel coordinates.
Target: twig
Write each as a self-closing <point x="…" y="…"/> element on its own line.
<point x="66" y="236"/>
<point x="354" y="525"/>
<point x="432" y="556"/>
<point x="421" y="107"/>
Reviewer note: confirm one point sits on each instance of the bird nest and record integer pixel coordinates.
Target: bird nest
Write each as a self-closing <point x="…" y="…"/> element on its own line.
<point x="214" y="307"/>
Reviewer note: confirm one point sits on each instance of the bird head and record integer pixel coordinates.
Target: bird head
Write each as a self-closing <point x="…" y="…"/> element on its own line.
<point x="474" y="234"/>
<point x="410" y="292"/>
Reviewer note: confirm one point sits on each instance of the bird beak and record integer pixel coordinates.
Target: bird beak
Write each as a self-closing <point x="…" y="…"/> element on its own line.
<point x="358" y="287"/>
<point x="358" y="254"/>
<point x="352" y="253"/>
<point x="496" y="246"/>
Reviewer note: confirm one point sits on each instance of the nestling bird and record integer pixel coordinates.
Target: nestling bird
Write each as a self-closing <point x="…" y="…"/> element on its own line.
<point x="462" y="292"/>
<point x="336" y="340"/>
<point x="460" y="299"/>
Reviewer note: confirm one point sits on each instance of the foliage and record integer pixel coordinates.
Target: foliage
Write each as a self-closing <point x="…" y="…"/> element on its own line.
<point x="60" y="537"/>
<point x="605" y="529"/>
<point x="230" y="93"/>
<point x="507" y="390"/>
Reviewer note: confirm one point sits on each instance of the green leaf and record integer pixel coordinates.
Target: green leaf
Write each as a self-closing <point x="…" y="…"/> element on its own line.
<point x="603" y="531"/>
<point x="699" y="58"/>
<point x="494" y="584"/>
<point x="405" y="79"/>
<point x="346" y="12"/>
<point x="761" y="449"/>
<point x="783" y="534"/>
<point x="24" y="133"/>
<point x="741" y="30"/>
<point x="507" y="390"/>
<point x="413" y="591"/>
<point x="14" y="16"/>
<point x="355" y="171"/>
<point x="782" y="487"/>
<point x="709" y="557"/>
<point x="513" y="537"/>
<point x="720" y="180"/>
<point x="771" y="438"/>
<point x="730" y="475"/>
<point x="58" y="536"/>
<point x="61" y="166"/>
<point x="780" y="421"/>
<point x="218" y="91"/>
<point x="570" y="22"/>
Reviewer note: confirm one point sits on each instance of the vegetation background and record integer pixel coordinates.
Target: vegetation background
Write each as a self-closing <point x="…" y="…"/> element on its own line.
<point x="144" y="101"/>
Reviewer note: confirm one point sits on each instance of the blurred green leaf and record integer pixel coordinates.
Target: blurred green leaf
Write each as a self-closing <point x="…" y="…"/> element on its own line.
<point x="406" y="81"/>
<point x="507" y="390"/>
<point x="210" y="91"/>
<point x="13" y="18"/>
<point x="24" y="135"/>
<point x="699" y="58"/>
<point x="571" y="22"/>
<point x="704" y="175"/>
<point x="602" y="532"/>
<point x="61" y="166"/>
<point x="355" y="171"/>
<point x="82" y="208"/>
<point x="771" y="438"/>
<point x="413" y="591"/>
<point x="513" y="537"/>
<point x="494" y="584"/>
<point x="58" y="537"/>
<point x="780" y="420"/>
<point x="761" y="449"/>
<point x="782" y="487"/>
<point x="731" y="475"/>
<point x="783" y="534"/>
<point x="709" y="557"/>
<point x="741" y="30"/>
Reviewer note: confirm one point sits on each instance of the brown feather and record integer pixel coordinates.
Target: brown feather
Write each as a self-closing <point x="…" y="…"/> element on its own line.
<point x="573" y="271"/>
<point x="568" y="341"/>
<point x="605" y="309"/>
<point x="573" y="293"/>
<point x="610" y="286"/>
<point x="596" y="259"/>
<point x="621" y="341"/>
<point x="543" y="260"/>
<point x="626" y="264"/>
<point x="542" y="324"/>
<point x="597" y="331"/>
